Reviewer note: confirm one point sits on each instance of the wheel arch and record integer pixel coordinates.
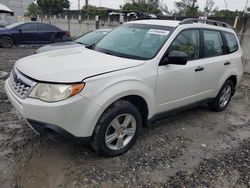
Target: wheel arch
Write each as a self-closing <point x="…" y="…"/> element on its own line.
<point x="9" y="35"/>
<point x="233" y="74"/>
<point x="139" y="101"/>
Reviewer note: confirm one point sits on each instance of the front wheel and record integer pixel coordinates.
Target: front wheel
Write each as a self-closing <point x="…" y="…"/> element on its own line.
<point x="6" y="42"/>
<point x="223" y="98"/>
<point x="117" y="129"/>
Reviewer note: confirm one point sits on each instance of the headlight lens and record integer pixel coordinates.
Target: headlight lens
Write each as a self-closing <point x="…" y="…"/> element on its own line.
<point x="55" y="92"/>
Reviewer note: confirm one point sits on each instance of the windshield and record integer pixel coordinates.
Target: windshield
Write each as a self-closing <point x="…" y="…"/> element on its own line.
<point x="91" y="37"/>
<point x="14" y="25"/>
<point x="135" y="41"/>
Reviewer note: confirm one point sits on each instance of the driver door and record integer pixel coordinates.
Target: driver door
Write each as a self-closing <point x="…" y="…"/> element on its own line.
<point x="180" y="85"/>
<point x="27" y="34"/>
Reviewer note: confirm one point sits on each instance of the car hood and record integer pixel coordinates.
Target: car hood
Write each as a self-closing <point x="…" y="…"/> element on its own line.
<point x="71" y="65"/>
<point x="57" y="46"/>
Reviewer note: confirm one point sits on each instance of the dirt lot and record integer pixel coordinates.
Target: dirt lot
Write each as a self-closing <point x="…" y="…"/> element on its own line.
<point x="195" y="148"/>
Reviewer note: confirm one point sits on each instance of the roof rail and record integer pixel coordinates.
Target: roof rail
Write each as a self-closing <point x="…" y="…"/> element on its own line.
<point x="211" y="22"/>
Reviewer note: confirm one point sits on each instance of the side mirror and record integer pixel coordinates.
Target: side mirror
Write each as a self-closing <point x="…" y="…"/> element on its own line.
<point x="176" y="58"/>
<point x="20" y="30"/>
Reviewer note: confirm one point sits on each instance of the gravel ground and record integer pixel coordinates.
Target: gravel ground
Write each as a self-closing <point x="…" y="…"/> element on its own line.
<point x="195" y="148"/>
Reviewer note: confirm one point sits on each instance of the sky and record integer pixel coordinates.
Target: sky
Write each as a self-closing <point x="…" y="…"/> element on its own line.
<point x="232" y="4"/>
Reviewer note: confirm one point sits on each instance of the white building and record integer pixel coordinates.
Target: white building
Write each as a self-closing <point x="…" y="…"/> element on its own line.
<point x="18" y="6"/>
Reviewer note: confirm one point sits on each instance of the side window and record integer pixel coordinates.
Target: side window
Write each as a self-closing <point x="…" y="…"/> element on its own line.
<point x="189" y="42"/>
<point x="213" y="44"/>
<point x="232" y="43"/>
<point x="28" y="27"/>
<point x="46" y="27"/>
<point x="42" y="27"/>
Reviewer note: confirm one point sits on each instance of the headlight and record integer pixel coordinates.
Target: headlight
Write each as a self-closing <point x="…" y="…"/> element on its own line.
<point x="55" y="92"/>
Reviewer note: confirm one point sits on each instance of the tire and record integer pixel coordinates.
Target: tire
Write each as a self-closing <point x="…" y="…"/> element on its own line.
<point x="223" y="98"/>
<point x="6" y="42"/>
<point x="110" y="137"/>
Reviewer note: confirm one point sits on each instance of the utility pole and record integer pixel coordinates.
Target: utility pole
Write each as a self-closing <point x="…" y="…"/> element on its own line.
<point x="79" y="5"/>
<point x="226" y="6"/>
<point x="246" y="7"/>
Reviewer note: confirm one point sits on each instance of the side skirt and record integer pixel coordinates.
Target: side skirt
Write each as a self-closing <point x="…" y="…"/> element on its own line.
<point x="163" y="115"/>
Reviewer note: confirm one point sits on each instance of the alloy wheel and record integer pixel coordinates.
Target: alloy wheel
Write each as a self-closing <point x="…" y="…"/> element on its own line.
<point x="120" y="131"/>
<point x="225" y="96"/>
<point x="6" y="42"/>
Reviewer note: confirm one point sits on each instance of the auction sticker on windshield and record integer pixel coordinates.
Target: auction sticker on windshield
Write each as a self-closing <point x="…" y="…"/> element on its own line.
<point x="158" y="32"/>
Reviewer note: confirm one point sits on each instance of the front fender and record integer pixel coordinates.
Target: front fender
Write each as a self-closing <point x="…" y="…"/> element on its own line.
<point x="105" y="91"/>
<point x="105" y="94"/>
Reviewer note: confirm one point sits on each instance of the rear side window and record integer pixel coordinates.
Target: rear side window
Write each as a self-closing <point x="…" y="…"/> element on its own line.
<point x="187" y="41"/>
<point x="232" y="43"/>
<point x="46" y="27"/>
<point x="213" y="43"/>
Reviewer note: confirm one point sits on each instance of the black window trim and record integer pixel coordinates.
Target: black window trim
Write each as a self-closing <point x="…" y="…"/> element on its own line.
<point x="161" y="63"/>
<point x="226" y="43"/>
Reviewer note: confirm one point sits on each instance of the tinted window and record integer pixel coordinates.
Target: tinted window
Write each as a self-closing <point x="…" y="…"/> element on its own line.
<point x="213" y="43"/>
<point x="232" y="43"/>
<point x="46" y="27"/>
<point x="28" y="27"/>
<point x="189" y="42"/>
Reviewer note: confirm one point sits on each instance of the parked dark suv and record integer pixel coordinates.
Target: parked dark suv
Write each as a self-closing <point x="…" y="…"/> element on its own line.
<point x="31" y="33"/>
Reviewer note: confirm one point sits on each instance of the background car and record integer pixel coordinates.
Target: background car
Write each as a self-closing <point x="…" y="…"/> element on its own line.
<point x="86" y="39"/>
<point x="31" y="33"/>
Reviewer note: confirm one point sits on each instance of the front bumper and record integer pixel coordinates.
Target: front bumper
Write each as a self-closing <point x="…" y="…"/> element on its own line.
<point x="76" y="115"/>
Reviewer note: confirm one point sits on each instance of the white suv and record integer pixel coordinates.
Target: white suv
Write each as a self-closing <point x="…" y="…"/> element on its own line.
<point x="136" y="73"/>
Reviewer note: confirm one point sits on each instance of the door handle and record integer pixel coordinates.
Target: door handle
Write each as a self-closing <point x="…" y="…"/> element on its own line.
<point x="227" y="63"/>
<point x="199" y="69"/>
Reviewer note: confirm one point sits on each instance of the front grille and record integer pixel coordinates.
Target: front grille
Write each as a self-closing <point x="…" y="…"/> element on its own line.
<point x="20" y="84"/>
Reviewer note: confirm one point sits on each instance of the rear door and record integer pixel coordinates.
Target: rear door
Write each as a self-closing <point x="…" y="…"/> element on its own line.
<point x="214" y="62"/>
<point x="27" y="33"/>
<point x="47" y="33"/>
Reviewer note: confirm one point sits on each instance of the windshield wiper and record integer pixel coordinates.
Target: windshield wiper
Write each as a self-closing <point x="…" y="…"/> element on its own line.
<point x="79" y="43"/>
<point x="90" y="46"/>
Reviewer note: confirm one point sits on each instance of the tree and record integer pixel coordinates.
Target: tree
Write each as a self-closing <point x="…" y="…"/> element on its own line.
<point x="186" y="8"/>
<point x="227" y="13"/>
<point x="209" y="7"/>
<point x="91" y="10"/>
<point x="164" y="8"/>
<point x="52" y="7"/>
<point x="33" y="10"/>
<point x="145" y="6"/>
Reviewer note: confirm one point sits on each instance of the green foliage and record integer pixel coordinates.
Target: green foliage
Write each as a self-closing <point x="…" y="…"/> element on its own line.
<point x="33" y="10"/>
<point x="227" y="13"/>
<point x="186" y="8"/>
<point x="91" y="10"/>
<point x="53" y="7"/>
<point x="146" y="6"/>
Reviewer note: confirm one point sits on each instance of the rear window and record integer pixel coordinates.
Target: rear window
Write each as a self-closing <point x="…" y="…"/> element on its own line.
<point x="46" y="27"/>
<point x="232" y="43"/>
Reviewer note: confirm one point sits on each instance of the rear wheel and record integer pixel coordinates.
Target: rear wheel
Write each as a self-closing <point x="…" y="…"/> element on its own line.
<point x="223" y="98"/>
<point x="117" y="129"/>
<point x="6" y="42"/>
